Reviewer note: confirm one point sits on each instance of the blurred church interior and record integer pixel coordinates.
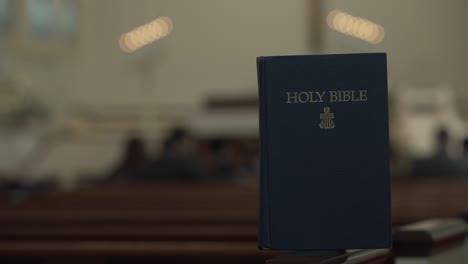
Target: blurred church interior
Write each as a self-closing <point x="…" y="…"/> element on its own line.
<point x="129" y="129"/>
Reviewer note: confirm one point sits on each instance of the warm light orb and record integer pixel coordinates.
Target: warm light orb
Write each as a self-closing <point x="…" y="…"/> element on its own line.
<point x="331" y="17"/>
<point x="123" y="46"/>
<point x="145" y="34"/>
<point x="163" y="26"/>
<point x="357" y="27"/>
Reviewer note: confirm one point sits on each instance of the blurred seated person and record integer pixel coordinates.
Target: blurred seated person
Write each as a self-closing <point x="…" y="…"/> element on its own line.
<point x="224" y="159"/>
<point x="440" y="164"/>
<point x="133" y="160"/>
<point x="178" y="160"/>
<point x="232" y="160"/>
<point x="464" y="159"/>
<point x="465" y="149"/>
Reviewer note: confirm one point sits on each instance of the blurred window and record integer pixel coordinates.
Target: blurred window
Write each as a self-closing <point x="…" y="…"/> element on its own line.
<point x="6" y="19"/>
<point x="52" y="18"/>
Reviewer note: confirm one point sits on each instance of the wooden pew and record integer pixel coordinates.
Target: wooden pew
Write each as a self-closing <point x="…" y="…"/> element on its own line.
<point x="129" y="232"/>
<point x="133" y="224"/>
<point x="196" y="211"/>
<point x="431" y="241"/>
<point x="130" y="252"/>
<point x="150" y="216"/>
<point x="173" y="252"/>
<point x="411" y="201"/>
<point x="414" y="201"/>
<point x="160" y="212"/>
<point x="135" y="251"/>
<point x="200" y="204"/>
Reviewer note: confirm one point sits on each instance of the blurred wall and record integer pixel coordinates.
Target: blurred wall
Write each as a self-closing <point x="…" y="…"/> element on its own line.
<point x="211" y="50"/>
<point x="425" y="40"/>
<point x="426" y="44"/>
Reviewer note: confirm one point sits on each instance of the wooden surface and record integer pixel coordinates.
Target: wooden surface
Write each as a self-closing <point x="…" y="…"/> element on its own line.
<point x="206" y="204"/>
<point x="130" y="252"/>
<point x="414" y="201"/>
<point x="167" y="222"/>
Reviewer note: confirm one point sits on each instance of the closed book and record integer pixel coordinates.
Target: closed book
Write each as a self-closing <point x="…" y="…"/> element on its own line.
<point x="324" y="152"/>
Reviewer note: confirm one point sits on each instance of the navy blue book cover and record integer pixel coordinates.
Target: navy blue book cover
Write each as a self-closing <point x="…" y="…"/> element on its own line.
<point x="324" y="152"/>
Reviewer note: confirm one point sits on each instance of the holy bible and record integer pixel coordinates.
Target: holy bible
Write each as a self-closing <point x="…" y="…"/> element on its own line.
<point x="324" y="152"/>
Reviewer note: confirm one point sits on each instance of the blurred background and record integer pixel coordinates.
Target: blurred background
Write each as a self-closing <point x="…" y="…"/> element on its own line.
<point x="142" y="116"/>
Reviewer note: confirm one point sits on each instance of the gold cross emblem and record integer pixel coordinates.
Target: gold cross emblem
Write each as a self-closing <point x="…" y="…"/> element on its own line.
<point x="327" y="119"/>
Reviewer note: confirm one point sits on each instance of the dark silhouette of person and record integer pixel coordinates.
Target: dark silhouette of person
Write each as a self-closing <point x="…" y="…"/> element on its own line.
<point x="440" y="164"/>
<point x="465" y="149"/>
<point x="178" y="160"/>
<point x="232" y="160"/>
<point x="464" y="160"/>
<point x="224" y="159"/>
<point x="133" y="160"/>
<point x="442" y="144"/>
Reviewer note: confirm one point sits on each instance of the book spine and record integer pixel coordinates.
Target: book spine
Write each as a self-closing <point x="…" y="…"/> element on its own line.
<point x="264" y="221"/>
<point x="387" y="159"/>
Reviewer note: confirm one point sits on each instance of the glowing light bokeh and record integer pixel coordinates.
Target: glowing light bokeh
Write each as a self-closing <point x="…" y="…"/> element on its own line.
<point x="145" y="34"/>
<point x="357" y="27"/>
